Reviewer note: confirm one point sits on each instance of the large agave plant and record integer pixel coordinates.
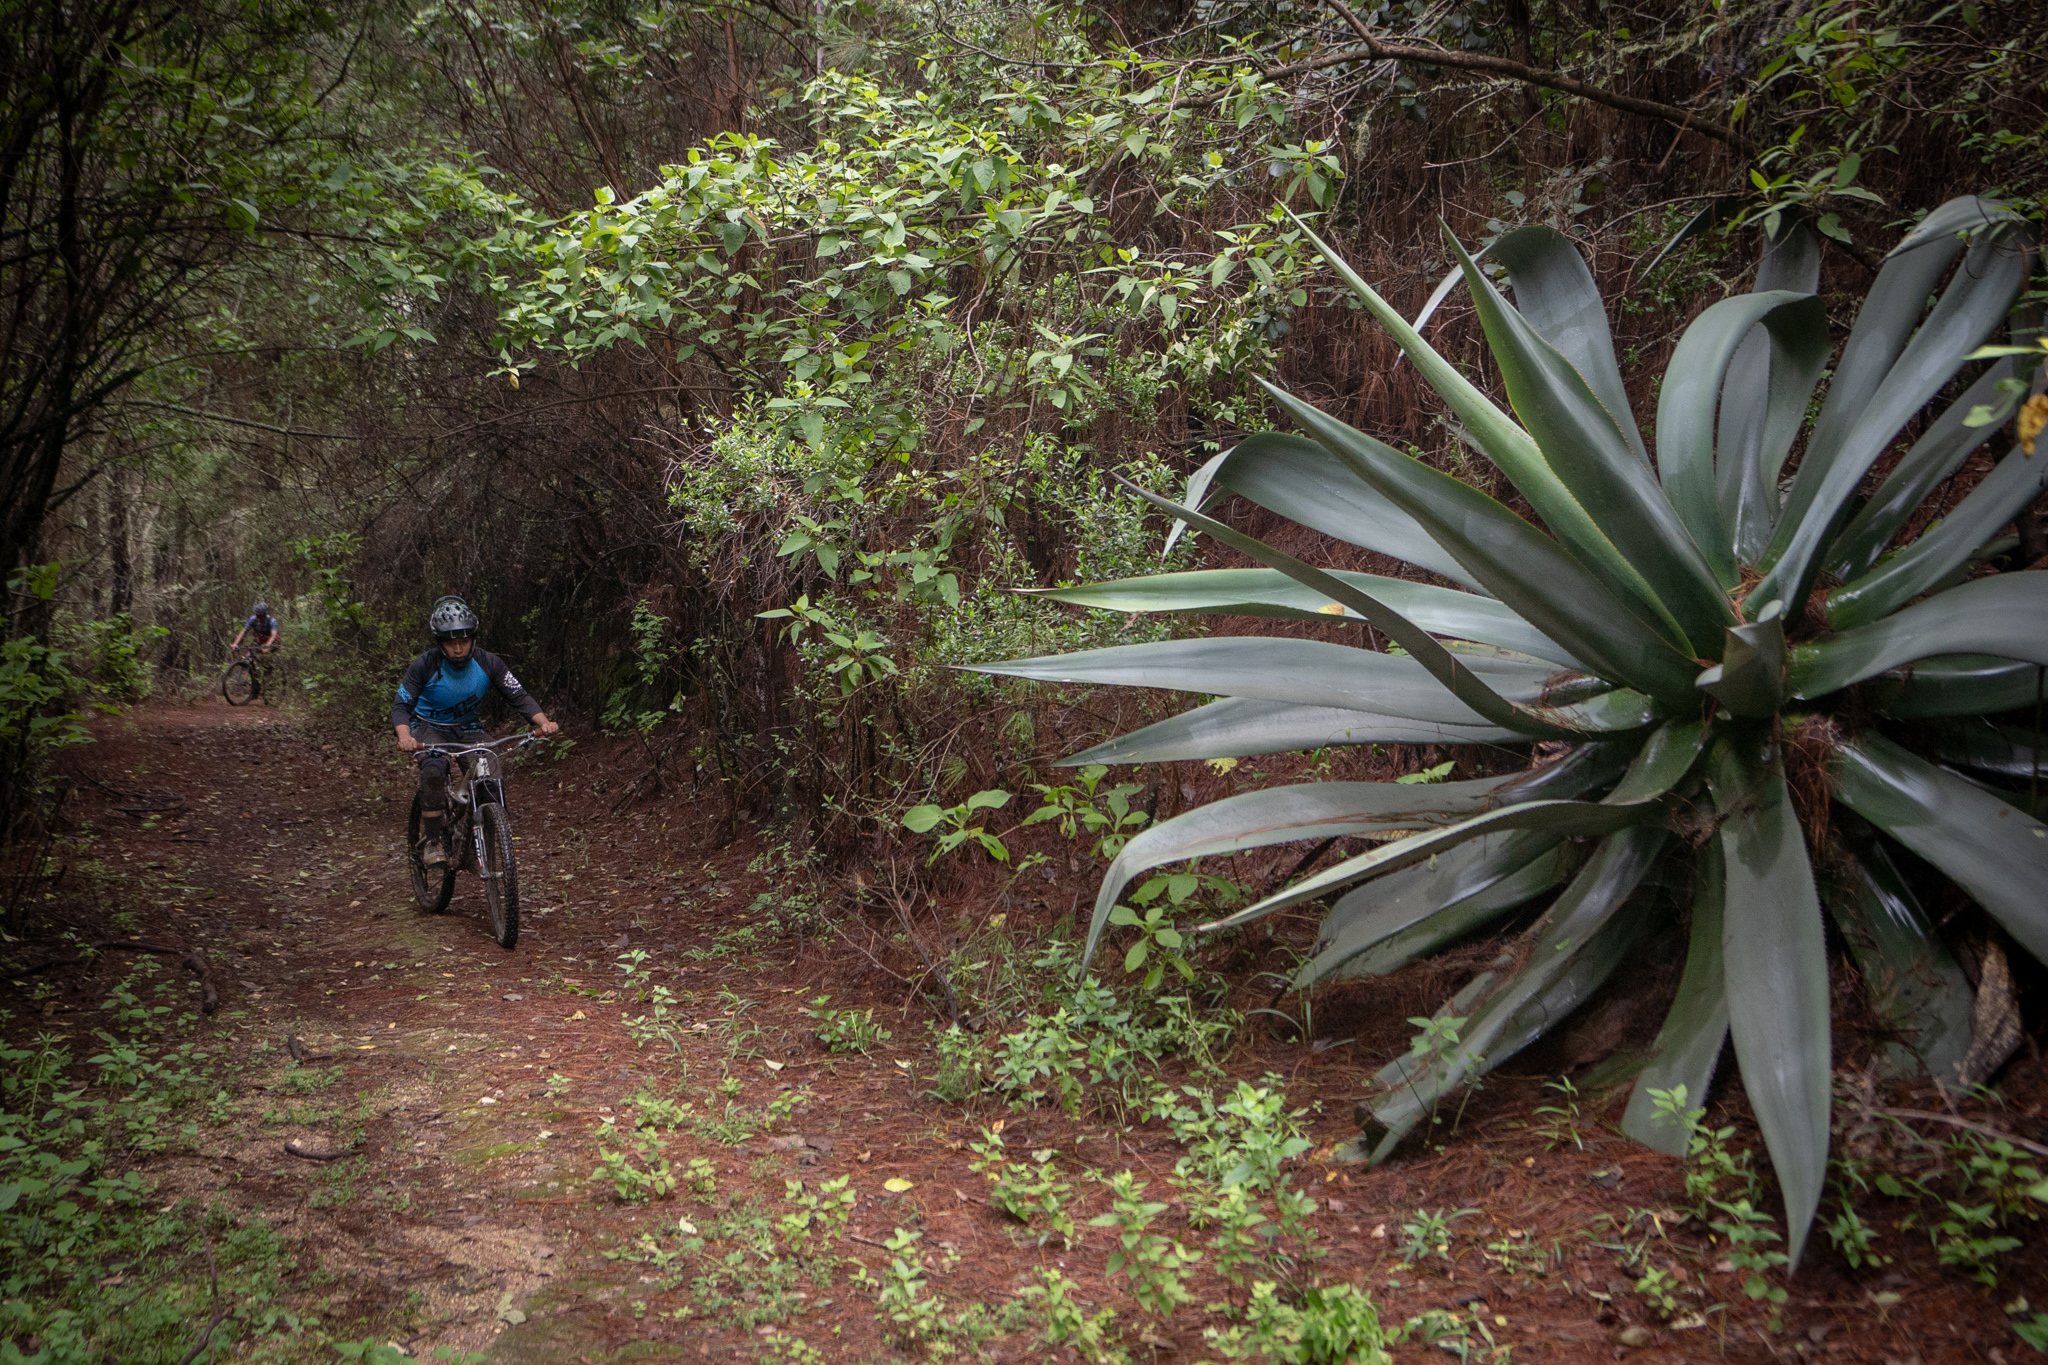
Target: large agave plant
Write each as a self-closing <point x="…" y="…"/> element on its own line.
<point x="1704" y="634"/>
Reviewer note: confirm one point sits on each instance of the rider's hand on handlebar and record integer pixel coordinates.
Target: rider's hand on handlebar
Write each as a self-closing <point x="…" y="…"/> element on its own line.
<point x="408" y="745"/>
<point x="547" y="727"/>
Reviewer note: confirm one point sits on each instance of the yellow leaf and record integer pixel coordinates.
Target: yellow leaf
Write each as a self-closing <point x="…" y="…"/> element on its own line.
<point x="1330" y="609"/>
<point x="896" y="1184"/>
<point x="1221" y="765"/>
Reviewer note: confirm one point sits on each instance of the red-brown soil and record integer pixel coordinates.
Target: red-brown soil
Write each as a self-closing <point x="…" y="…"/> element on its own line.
<point x="472" y="1203"/>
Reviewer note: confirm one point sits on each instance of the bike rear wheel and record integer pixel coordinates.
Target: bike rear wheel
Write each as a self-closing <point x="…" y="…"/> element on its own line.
<point x="432" y="887"/>
<point x="238" y="684"/>
<point x="500" y="875"/>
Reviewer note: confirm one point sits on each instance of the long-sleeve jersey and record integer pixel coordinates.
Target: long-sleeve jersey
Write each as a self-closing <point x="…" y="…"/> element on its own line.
<point x="446" y="692"/>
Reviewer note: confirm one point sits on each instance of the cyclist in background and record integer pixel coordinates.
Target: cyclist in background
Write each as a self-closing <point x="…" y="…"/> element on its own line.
<point x="438" y="701"/>
<point x="262" y="625"/>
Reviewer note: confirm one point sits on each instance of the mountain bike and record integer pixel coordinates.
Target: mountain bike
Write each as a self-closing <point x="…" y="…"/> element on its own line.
<point x="477" y="832"/>
<point x="243" y="681"/>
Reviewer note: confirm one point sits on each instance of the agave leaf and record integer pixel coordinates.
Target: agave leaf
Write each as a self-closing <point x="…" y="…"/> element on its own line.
<point x="1566" y="819"/>
<point x="1514" y="561"/>
<point x="1956" y="685"/>
<point x="1387" y="924"/>
<point x="1282" y="815"/>
<point x="1998" y="854"/>
<point x="1306" y="672"/>
<point x="1966" y="213"/>
<point x="1555" y="291"/>
<point x="1666" y="758"/>
<point x="1317" y="811"/>
<point x="1516" y="453"/>
<point x="1456" y="675"/>
<point x="1688" y="1047"/>
<point x="1269" y="592"/>
<point x="2006" y="612"/>
<point x="1833" y="467"/>
<point x="1197" y="495"/>
<point x="2005" y="750"/>
<point x="1764" y="401"/>
<point x="1775" y="954"/>
<point x="1947" y="545"/>
<point x="1750" y="679"/>
<point x="1237" y="727"/>
<point x="1915" y="987"/>
<point x="1661" y="765"/>
<point x="1946" y="444"/>
<point x="1697" y="385"/>
<point x="1566" y="934"/>
<point x="1298" y="479"/>
<point x="1583" y="449"/>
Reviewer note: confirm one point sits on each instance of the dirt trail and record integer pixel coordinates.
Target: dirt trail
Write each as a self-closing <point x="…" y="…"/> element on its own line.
<point x="467" y="1084"/>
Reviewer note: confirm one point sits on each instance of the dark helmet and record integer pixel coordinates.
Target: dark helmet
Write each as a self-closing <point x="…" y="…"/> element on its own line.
<point x="260" y="609"/>
<point x="451" y="619"/>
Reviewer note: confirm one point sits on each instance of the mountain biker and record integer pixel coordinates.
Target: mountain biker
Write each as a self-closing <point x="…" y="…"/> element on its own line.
<point x="438" y="700"/>
<point x="263" y="624"/>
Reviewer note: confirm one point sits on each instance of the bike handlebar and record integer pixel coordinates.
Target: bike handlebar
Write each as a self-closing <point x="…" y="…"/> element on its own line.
<point x="458" y="749"/>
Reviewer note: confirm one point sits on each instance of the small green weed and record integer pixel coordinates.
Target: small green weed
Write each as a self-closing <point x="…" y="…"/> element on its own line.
<point x="1429" y="1233"/>
<point x="1154" y="1266"/>
<point x="1030" y="1192"/>
<point x="845" y="1030"/>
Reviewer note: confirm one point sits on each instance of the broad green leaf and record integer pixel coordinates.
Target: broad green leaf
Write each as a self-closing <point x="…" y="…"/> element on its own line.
<point x="1386" y="924"/>
<point x="1280" y="815"/>
<point x="1517" y="455"/>
<point x="1765" y="396"/>
<point x="1966" y="213"/>
<point x="1566" y="819"/>
<point x="1305" y="483"/>
<point x="1847" y="440"/>
<point x="1562" y="940"/>
<point x="1945" y="547"/>
<point x="1514" y="561"/>
<point x="1666" y="758"/>
<point x="1997" y="854"/>
<point x="1957" y="685"/>
<point x="1306" y="672"/>
<point x="1750" y="679"/>
<point x="1631" y="536"/>
<point x="1455" y="674"/>
<point x="1696" y="388"/>
<point x="1946" y="444"/>
<point x="1776" y="973"/>
<point x="2006" y="612"/>
<point x="1915" y="987"/>
<point x="1269" y="592"/>
<point x="1555" y="292"/>
<point x="1238" y="727"/>
<point x="2005" y="750"/>
<point x="1688" y="1046"/>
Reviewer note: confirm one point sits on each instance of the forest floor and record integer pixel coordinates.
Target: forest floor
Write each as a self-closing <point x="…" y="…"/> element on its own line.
<point x="469" y="1088"/>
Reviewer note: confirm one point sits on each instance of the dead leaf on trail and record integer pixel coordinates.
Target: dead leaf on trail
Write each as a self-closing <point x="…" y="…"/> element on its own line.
<point x="896" y="1184"/>
<point x="574" y="1017"/>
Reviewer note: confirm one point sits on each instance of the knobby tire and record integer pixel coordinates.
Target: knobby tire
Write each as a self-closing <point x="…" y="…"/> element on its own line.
<point x="431" y="889"/>
<point x="238" y="685"/>
<point x="499" y="873"/>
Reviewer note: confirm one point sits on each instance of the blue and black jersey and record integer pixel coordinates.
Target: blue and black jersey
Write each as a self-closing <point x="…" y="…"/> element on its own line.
<point x="444" y="692"/>
<point x="261" y="627"/>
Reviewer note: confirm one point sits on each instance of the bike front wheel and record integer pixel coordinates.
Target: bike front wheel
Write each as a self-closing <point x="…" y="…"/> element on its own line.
<point x="238" y="684"/>
<point x="498" y="872"/>
<point x="432" y="887"/>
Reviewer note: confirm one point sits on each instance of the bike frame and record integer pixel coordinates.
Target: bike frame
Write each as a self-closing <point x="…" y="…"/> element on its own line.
<point x="486" y="785"/>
